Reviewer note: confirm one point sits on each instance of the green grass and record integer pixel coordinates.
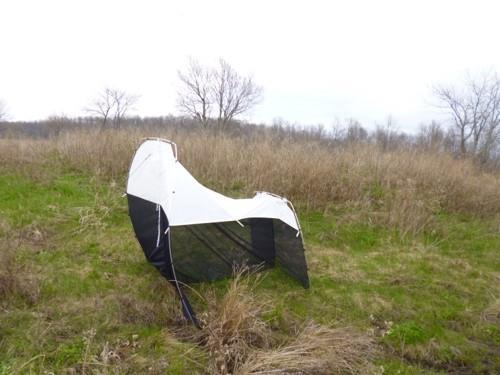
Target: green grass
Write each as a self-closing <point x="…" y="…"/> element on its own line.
<point x="423" y="298"/>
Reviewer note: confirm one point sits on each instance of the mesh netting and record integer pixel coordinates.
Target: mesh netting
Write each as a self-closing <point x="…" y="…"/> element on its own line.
<point x="208" y="252"/>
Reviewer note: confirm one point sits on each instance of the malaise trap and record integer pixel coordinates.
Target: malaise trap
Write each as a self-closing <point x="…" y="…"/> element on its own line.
<point x="193" y="234"/>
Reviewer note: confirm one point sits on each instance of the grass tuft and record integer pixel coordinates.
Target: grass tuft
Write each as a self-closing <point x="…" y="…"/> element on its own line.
<point x="16" y="281"/>
<point x="239" y="340"/>
<point x="492" y="313"/>
<point x="233" y="324"/>
<point x="316" y="350"/>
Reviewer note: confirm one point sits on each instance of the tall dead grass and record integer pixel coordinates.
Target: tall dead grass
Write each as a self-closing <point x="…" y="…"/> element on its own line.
<point x="316" y="349"/>
<point x="233" y="325"/>
<point x="240" y="341"/>
<point x="403" y="187"/>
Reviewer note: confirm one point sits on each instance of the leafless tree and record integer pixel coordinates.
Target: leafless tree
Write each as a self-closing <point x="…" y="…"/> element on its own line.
<point x="221" y="92"/>
<point x="123" y="103"/>
<point x="233" y="94"/>
<point x="112" y="105"/>
<point x="102" y="106"/>
<point x="194" y="98"/>
<point x="3" y="111"/>
<point x="474" y="110"/>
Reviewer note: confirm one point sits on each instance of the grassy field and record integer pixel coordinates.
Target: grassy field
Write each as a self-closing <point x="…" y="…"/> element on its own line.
<point x="403" y="250"/>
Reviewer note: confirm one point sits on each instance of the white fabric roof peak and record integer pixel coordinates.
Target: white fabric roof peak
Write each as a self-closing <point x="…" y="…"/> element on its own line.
<point x="157" y="176"/>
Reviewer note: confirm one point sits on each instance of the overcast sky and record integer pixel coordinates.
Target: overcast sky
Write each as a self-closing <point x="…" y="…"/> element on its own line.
<point x="316" y="60"/>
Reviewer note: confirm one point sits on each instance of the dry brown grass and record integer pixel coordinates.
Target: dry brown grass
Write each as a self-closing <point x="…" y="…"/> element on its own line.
<point x="240" y="341"/>
<point x="492" y="313"/>
<point x="402" y="189"/>
<point x="316" y="350"/>
<point x="233" y="325"/>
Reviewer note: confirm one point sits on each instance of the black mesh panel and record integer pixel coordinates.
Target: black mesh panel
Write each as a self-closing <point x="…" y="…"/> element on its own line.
<point x="144" y="216"/>
<point x="263" y="239"/>
<point x="150" y="224"/>
<point x="290" y="252"/>
<point x="208" y="252"/>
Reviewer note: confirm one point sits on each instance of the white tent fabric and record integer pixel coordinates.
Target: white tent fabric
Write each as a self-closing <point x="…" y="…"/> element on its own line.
<point x="157" y="176"/>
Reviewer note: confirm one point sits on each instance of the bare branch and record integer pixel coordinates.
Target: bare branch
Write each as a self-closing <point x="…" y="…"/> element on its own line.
<point x="123" y="103"/>
<point x="220" y="91"/>
<point x="233" y="93"/>
<point x="194" y="97"/>
<point x="475" y="113"/>
<point x="112" y="104"/>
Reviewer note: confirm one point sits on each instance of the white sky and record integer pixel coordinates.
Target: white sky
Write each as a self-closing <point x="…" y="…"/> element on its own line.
<point x="317" y="60"/>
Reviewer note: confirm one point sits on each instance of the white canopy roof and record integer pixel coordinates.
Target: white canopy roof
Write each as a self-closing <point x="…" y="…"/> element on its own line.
<point x="157" y="176"/>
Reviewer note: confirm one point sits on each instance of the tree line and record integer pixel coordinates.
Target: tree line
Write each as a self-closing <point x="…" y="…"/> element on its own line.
<point x="215" y="97"/>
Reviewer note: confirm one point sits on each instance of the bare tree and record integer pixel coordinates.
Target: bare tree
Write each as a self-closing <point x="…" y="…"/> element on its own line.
<point x="112" y="104"/>
<point x="194" y="98"/>
<point x="233" y="94"/>
<point x="102" y="106"/>
<point x="123" y="103"/>
<point x="488" y="144"/>
<point x="219" y="91"/>
<point x="474" y="109"/>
